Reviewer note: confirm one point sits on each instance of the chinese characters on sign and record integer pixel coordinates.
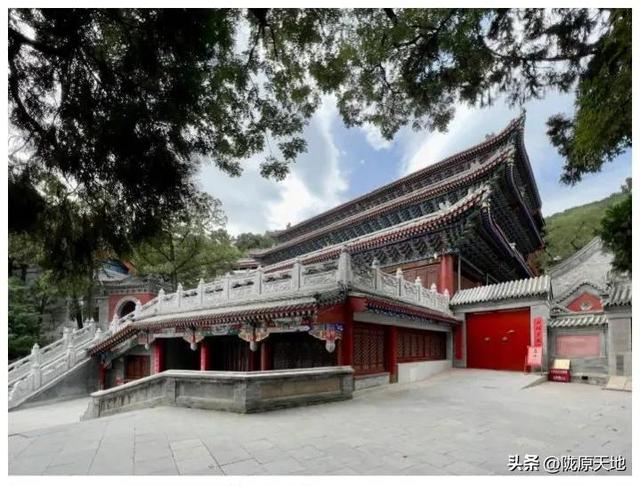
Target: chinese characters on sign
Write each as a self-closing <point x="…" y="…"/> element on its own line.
<point x="534" y="356"/>
<point x="538" y="325"/>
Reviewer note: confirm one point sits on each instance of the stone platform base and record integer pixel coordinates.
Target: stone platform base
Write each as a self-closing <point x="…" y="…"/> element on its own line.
<point x="233" y="391"/>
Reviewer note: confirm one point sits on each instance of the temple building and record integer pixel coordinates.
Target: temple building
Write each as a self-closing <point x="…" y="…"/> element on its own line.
<point x="365" y="284"/>
<point x="431" y="271"/>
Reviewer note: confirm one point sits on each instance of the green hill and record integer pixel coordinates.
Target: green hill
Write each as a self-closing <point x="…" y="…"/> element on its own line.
<point x="570" y="230"/>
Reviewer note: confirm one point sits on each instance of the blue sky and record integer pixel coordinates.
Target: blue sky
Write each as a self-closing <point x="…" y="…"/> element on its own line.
<point x="343" y="163"/>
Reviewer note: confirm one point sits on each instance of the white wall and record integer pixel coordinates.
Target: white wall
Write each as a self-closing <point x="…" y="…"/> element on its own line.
<point x="421" y="370"/>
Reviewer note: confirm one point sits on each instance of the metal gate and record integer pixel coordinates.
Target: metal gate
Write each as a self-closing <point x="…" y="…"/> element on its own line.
<point x="498" y="340"/>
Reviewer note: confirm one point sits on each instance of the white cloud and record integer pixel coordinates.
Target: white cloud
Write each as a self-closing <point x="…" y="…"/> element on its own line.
<point x="423" y="149"/>
<point x="375" y="138"/>
<point x="317" y="182"/>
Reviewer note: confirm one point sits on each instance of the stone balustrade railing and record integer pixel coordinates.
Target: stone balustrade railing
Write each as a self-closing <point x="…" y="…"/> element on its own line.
<point x="262" y="284"/>
<point x="398" y="287"/>
<point x="44" y="365"/>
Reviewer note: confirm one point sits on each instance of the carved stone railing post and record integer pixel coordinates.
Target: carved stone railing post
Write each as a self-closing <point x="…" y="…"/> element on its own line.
<point x="418" y="289"/>
<point x="201" y="292"/>
<point x="98" y="336"/>
<point x="377" y="276"/>
<point x="399" y="278"/>
<point x="35" y="372"/>
<point x="257" y="282"/>
<point x="345" y="270"/>
<point x="160" y="300"/>
<point x="226" y="286"/>
<point x="296" y="275"/>
<point x="92" y="327"/>
<point x="71" y="355"/>
<point x="66" y="336"/>
<point x="179" y="291"/>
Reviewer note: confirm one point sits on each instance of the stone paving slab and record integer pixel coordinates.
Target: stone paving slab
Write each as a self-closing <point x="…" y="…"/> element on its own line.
<point x="460" y="422"/>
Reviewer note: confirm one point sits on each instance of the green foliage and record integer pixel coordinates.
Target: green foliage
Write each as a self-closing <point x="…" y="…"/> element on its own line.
<point x="570" y="230"/>
<point x="119" y="107"/>
<point x="616" y="233"/>
<point x="601" y="127"/>
<point x="190" y="246"/>
<point x="253" y="241"/>
<point x="23" y="318"/>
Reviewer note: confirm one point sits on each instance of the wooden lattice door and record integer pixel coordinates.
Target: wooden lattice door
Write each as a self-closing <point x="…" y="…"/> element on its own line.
<point x="368" y="349"/>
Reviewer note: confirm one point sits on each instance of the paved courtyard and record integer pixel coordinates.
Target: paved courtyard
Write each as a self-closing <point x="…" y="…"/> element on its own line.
<point x="460" y="422"/>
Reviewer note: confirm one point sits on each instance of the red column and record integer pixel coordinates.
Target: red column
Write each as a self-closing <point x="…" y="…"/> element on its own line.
<point x="265" y="356"/>
<point x="158" y="356"/>
<point x="253" y="358"/>
<point x="347" y="336"/>
<point x="101" y="376"/>
<point x="204" y="355"/>
<point x="392" y="353"/>
<point x="446" y="274"/>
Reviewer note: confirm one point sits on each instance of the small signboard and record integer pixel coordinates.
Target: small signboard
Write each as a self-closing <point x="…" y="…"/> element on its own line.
<point x="534" y="356"/>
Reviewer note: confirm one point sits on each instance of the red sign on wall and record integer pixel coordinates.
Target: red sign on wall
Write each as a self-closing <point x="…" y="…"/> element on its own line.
<point x="538" y="327"/>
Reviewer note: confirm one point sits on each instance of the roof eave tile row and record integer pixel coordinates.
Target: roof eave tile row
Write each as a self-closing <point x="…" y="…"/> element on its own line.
<point x="513" y="126"/>
<point x="515" y="289"/>
<point x="441" y="187"/>
<point x="579" y="320"/>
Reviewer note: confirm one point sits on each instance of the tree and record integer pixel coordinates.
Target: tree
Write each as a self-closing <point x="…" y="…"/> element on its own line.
<point x="191" y="245"/>
<point x="252" y="241"/>
<point x="122" y="105"/>
<point x="23" y="319"/>
<point x="616" y="231"/>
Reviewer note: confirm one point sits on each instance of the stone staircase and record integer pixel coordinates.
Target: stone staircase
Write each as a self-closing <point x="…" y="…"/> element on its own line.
<point x="31" y="374"/>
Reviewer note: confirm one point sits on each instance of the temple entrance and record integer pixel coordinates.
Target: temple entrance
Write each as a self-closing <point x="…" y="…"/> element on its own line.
<point x="180" y="356"/>
<point x="498" y="340"/>
<point x="230" y="353"/>
<point x="299" y="350"/>
<point x="135" y="367"/>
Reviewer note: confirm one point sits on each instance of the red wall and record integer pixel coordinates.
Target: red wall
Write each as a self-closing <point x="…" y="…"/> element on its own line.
<point x="114" y="299"/>
<point x="593" y="300"/>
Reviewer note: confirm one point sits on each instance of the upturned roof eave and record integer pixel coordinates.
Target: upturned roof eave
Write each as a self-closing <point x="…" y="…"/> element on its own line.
<point x="513" y="127"/>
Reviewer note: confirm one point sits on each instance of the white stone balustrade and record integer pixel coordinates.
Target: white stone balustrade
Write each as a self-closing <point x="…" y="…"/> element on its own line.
<point x="45" y="364"/>
<point x="263" y="284"/>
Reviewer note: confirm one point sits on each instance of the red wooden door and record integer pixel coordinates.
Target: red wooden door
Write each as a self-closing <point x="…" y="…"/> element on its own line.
<point x="136" y="367"/>
<point x="498" y="340"/>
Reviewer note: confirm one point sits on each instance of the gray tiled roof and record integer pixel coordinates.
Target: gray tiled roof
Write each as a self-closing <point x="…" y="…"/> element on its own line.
<point x="578" y="320"/>
<point x="515" y="289"/>
<point x="620" y="294"/>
